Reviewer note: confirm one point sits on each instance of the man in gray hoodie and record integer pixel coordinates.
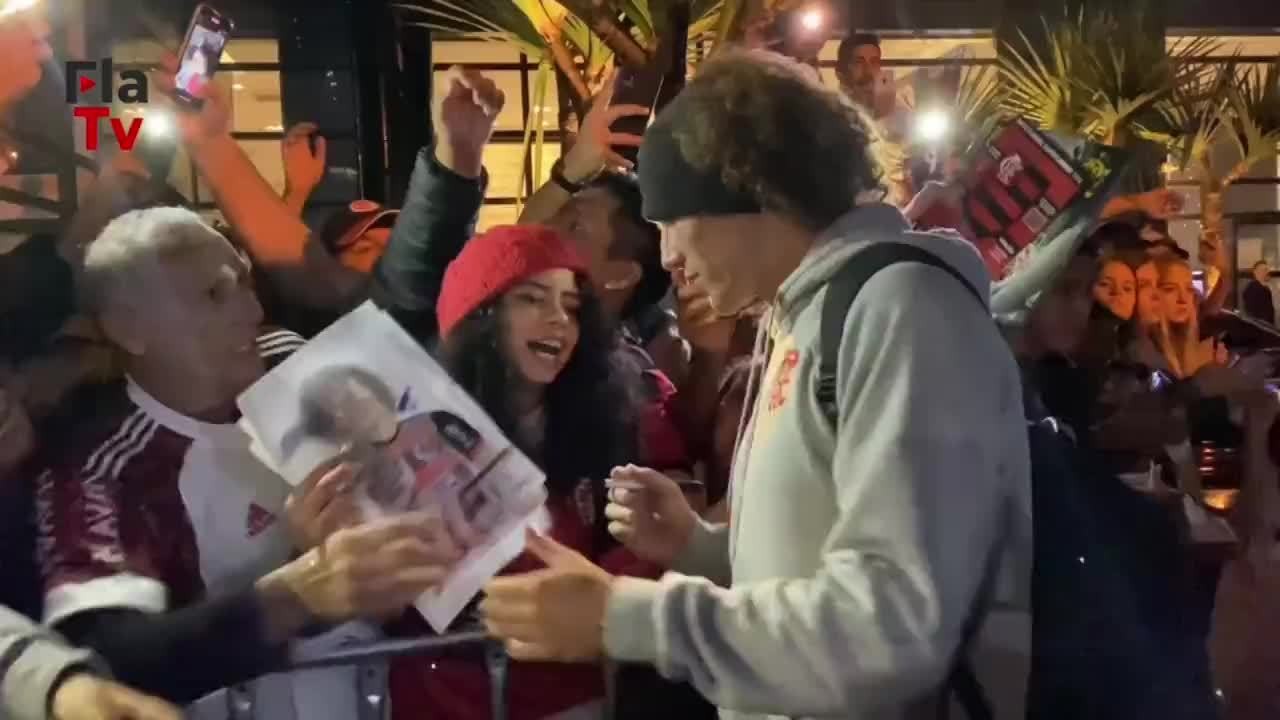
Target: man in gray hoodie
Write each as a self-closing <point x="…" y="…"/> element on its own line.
<point x="861" y="557"/>
<point x="41" y="678"/>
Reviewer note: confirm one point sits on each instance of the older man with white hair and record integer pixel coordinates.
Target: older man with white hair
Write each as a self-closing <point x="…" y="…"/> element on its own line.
<point x="159" y="530"/>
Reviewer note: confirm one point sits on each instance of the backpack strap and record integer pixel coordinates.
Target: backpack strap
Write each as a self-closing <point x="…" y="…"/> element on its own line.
<point x="843" y="289"/>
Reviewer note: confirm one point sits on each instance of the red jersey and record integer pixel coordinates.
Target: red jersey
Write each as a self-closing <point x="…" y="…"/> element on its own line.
<point x="147" y="509"/>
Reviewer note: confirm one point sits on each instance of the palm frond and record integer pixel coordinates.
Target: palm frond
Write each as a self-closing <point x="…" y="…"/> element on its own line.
<point x="488" y="19"/>
<point x="978" y="102"/>
<point x="1187" y="123"/>
<point x="639" y="14"/>
<point x="1253" y="102"/>
<point x="1041" y="87"/>
<point x="1101" y="75"/>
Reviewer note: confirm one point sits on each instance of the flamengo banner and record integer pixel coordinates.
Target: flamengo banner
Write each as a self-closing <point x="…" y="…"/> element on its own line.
<point x="1022" y="189"/>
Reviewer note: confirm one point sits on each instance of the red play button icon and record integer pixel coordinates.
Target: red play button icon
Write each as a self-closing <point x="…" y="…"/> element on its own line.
<point x="87" y="84"/>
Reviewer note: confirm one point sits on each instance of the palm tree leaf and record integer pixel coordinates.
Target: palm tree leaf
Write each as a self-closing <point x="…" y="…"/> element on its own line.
<point x="1100" y="73"/>
<point x="1252" y="113"/>
<point x="641" y="17"/>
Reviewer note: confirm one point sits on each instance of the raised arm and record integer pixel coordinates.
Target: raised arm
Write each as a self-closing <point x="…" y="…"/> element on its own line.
<point x="443" y="202"/>
<point x="277" y="239"/>
<point x="593" y="152"/>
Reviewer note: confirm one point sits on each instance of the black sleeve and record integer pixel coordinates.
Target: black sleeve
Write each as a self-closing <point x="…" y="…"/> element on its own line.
<point x="181" y="655"/>
<point x="438" y="217"/>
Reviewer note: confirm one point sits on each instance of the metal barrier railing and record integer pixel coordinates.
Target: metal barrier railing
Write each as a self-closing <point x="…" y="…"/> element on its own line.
<point x="370" y="661"/>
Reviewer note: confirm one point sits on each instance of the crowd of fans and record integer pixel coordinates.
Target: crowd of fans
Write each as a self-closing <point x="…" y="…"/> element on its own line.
<point x="758" y="503"/>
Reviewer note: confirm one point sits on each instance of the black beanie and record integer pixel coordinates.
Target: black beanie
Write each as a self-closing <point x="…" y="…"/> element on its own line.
<point x="674" y="189"/>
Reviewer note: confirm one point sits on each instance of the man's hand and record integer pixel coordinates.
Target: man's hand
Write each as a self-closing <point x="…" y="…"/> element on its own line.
<point x="467" y="107"/>
<point x="553" y="614"/>
<point x="594" y="149"/>
<point x="700" y="324"/>
<point x="1159" y="204"/>
<point x="649" y="514"/>
<point x="197" y="126"/>
<point x="303" y="169"/>
<point x="85" y="697"/>
<point x="369" y="571"/>
<point x="322" y="505"/>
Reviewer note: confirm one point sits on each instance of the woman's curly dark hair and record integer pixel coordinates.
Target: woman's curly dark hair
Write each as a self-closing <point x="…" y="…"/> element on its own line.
<point x="590" y="412"/>
<point x="778" y="135"/>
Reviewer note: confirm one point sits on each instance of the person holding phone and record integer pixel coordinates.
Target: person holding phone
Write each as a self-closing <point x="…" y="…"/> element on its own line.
<point x="206" y="38"/>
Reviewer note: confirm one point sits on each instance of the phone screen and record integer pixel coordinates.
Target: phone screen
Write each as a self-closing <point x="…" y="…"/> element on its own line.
<point x="635" y="87"/>
<point x="1159" y="380"/>
<point x="206" y="39"/>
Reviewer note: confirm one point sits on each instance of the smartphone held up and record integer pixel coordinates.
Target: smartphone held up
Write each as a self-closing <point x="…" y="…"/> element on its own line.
<point x="207" y="37"/>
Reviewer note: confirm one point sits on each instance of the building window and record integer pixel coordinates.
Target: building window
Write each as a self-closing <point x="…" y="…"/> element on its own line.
<point x="510" y="178"/>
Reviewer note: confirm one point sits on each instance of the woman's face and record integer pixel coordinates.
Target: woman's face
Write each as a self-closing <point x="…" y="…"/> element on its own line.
<point x="540" y="324"/>
<point x="1148" y="304"/>
<point x="1177" y="294"/>
<point x="1059" y="320"/>
<point x="360" y="415"/>
<point x="1115" y="289"/>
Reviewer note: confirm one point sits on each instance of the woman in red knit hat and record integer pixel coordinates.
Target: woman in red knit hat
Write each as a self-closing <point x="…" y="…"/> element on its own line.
<point x="522" y="332"/>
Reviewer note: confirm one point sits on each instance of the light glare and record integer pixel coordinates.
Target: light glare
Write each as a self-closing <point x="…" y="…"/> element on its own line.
<point x="159" y="124"/>
<point x="811" y="20"/>
<point x="932" y="125"/>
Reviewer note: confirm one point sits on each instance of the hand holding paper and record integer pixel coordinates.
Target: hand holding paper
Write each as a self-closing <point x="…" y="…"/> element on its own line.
<point x="367" y="426"/>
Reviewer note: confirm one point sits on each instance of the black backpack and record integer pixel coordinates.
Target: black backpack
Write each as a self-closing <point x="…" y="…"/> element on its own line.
<point x="1108" y="640"/>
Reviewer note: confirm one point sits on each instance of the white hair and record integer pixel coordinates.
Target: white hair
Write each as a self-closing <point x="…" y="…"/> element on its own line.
<point x="134" y="245"/>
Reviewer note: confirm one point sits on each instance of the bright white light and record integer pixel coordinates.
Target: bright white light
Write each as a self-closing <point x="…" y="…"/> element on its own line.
<point x="238" y="86"/>
<point x="10" y="7"/>
<point x="932" y="125"/>
<point x="159" y="124"/>
<point x="811" y="19"/>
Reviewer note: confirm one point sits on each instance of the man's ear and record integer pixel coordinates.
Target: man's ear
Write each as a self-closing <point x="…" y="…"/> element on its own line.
<point x="620" y="275"/>
<point x="120" y="328"/>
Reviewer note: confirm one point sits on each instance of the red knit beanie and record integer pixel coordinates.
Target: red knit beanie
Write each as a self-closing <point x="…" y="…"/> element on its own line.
<point x="495" y="260"/>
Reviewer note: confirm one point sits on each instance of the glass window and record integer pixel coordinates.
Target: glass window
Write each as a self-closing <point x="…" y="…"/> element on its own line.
<point x="923" y="48"/>
<point x="256" y="104"/>
<point x="265" y="155"/>
<point x="138" y="51"/>
<point x="461" y="52"/>
<point x="238" y="50"/>
<point x="320" y="32"/>
<point x="183" y="177"/>
<point x="504" y="161"/>
<point x="1256" y="45"/>
<point x="251" y="50"/>
<point x="494" y="215"/>
<point x="322" y="97"/>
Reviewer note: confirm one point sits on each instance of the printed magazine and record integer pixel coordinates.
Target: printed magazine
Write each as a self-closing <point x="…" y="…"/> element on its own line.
<point x="365" y="391"/>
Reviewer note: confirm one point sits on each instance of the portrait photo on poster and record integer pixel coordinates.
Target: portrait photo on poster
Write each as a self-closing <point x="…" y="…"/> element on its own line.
<point x="417" y="442"/>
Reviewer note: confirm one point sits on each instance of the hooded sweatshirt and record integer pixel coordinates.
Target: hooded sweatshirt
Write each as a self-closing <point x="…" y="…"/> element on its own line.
<point x="33" y="661"/>
<point x="853" y="560"/>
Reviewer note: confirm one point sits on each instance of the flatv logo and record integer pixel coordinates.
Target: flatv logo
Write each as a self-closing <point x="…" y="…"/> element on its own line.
<point x="84" y="76"/>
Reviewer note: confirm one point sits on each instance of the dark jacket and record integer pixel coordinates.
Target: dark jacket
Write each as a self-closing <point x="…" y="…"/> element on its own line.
<point x="1258" y="302"/>
<point x="438" y="217"/>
